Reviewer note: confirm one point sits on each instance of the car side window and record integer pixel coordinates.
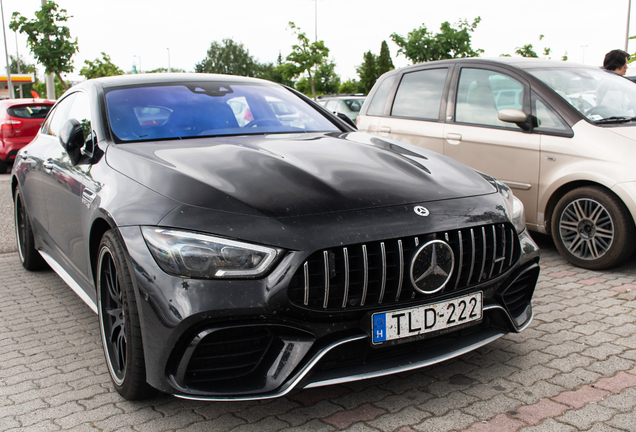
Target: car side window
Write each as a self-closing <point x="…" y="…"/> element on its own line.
<point x="481" y="94"/>
<point x="376" y="107"/>
<point x="545" y="117"/>
<point x="58" y="116"/>
<point x="420" y="94"/>
<point x="81" y="111"/>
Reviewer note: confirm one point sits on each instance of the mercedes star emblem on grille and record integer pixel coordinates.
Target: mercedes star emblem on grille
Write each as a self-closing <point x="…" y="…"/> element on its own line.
<point x="421" y="211"/>
<point x="432" y="266"/>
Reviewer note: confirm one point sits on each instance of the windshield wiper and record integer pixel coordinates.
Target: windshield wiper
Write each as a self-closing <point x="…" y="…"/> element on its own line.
<point x="615" y="119"/>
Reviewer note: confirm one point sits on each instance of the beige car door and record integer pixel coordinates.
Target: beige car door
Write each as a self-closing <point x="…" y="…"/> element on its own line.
<point x="415" y="114"/>
<point x="476" y="137"/>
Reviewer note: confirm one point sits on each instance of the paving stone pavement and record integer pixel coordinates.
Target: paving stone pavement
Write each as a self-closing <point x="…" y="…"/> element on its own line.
<point x="573" y="369"/>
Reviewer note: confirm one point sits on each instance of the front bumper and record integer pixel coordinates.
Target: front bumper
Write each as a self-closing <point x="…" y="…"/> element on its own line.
<point x="245" y="339"/>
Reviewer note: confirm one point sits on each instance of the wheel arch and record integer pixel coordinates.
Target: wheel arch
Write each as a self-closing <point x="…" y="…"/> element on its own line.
<point x="564" y="189"/>
<point x="98" y="229"/>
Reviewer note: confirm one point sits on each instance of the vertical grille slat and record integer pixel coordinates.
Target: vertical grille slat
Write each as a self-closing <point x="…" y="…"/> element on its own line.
<point x="326" y="261"/>
<point x="383" y="284"/>
<point x="401" y="275"/>
<point x="345" y="297"/>
<point x="460" y="265"/>
<point x="378" y="273"/>
<point x="365" y="283"/>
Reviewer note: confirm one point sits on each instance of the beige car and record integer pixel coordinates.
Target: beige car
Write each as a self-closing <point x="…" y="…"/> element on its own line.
<point x="561" y="135"/>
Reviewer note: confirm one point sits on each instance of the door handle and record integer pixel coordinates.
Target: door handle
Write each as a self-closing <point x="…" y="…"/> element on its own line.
<point x="453" y="138"/>
<point x="385" y="129"/>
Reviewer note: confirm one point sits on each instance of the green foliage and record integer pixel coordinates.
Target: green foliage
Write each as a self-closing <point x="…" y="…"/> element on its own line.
<point x="304" y="56"/>
<point x="100" y="68"/>
<point x="25" y="68"/>
<point x="326" y="81"/>
<point x="50" y="43"/>
<point x="368" y="72"/>
<point x="526" y="51"/>
<point x="40" y="88"/>
<point x="451" y="42"/>
<point x="383" y="61"/>
<point x="231" y="58"/>
<point x="349" y="87"/>
<point x="565" y="57"/>
<point x="165" y="70"/>
<point x="373" y="67"/>
<point x="275" y="73"/>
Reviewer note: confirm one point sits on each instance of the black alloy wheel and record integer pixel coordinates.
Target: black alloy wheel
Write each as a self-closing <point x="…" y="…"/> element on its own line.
<point x="119" y="321"/>
<point x="29" y="255"/>
<point x="592" y="228"/>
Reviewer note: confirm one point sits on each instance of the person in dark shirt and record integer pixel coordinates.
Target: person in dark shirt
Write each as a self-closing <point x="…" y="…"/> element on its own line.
<point x="616" y="61"/>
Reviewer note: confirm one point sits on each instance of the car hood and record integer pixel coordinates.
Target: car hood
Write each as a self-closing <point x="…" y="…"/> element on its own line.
<point x="295" y="174"/>
<point x="625" y="131"/>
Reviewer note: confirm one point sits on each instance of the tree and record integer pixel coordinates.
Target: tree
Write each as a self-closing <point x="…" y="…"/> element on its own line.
<point x="526" y="51"/>
<point x="40" y="88"/>
<point x="275" y="73"/>
<point x="452" y="42"/>
<point x="165" y="70"/>
<point x="305" y="56"/>
<point x="25" y="68"/>
<point x="231" y="58"/>
<point x="349" y="86"/>
<point x="100" y="68"/>
<point x="368" y="72"/>
<point x="50" y="43"/>
<point x="384" y="62"/>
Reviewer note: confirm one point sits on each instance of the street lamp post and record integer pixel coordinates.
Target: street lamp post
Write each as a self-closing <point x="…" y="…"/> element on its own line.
<point x="6" y="54"/>
<point x="168" y="60"/>
<point x="50" y="79"/>
<point x="139" y="59"/>
<point x="629" y="10"/>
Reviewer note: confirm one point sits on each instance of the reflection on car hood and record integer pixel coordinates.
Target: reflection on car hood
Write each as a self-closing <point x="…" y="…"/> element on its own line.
<point x="294" y="175"/>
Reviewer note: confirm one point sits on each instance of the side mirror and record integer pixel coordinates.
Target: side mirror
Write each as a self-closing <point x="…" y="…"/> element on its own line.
<point x="515" y="116"/>
<point x="345" y="118"/>
<point x="72" y="136"/>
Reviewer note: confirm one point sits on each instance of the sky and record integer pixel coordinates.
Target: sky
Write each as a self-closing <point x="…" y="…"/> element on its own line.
<point x="149" y="34"/>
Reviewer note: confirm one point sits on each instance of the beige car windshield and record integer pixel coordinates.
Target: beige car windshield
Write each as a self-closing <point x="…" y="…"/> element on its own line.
<point x="596" y="93"/>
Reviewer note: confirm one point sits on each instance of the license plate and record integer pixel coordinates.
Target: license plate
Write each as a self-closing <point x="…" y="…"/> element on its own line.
<point x="405" y="323"/>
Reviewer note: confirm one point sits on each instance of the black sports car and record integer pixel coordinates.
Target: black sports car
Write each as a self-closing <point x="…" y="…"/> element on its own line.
<point x="238" y="241"/>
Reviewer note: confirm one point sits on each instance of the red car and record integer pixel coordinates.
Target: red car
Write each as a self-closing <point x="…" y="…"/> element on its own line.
<point x="20" y="121"/>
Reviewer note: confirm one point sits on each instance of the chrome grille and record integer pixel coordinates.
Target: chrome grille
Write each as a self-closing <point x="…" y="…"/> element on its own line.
<point x="369" y="274"/>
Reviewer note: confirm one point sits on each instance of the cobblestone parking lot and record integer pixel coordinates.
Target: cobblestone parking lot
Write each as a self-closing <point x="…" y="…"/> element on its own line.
<point x="572" y="369"/>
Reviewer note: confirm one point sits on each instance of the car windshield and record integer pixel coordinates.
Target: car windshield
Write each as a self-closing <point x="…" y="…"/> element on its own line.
<point x="197" y="109"/>
<point x="598" y="94"/>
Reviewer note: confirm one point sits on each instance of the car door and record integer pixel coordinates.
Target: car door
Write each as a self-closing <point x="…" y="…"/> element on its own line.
<point x="474" y="135"/>
<point x="68" y="190"/>
<point x="32" y="171"/>
<point x="414" y="117"/>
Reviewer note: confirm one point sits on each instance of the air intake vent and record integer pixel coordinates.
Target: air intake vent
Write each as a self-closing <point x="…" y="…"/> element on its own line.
<point x="517" y="296"/>
<point x="228" y="353"/>
<point x="366" y="275"/>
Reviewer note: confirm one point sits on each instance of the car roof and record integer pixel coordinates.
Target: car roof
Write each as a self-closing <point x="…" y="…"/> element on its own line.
<point x="164" y="78"/>
<point x="517" y="62"/>
<point x="25" y="101"/>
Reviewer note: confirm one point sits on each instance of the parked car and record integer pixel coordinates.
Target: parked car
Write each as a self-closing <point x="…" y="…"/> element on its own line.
<point x="230" y="262"/>
<point x="20" y="120"/>
<point x="347" y="104"/>
<point x="561" y="135"/>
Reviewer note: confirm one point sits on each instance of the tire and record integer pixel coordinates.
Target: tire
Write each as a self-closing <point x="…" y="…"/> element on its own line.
<point x="29" y="255"/>
<point x="3" y="167"/>
<point x="119" y="321"/>
<point x="593" y="229"/>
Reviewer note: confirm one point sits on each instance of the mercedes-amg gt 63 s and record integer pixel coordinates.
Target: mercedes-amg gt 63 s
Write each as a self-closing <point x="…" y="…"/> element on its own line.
<point x="234" y="257"/>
